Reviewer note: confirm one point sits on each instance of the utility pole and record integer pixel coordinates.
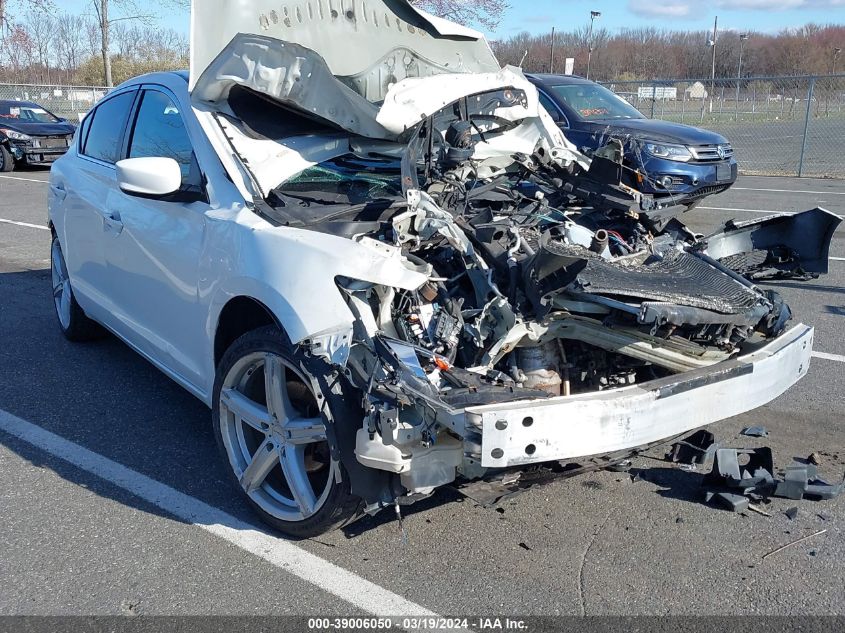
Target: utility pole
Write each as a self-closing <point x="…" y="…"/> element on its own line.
<point x="593" y="16"/>
<point x="742" y="38"/>
<point x="552" y="53"/>
<point x="713" y="65"/>
<point x="836" y="52"/>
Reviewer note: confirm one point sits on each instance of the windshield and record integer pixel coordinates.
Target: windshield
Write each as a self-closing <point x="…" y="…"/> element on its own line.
<point x="27" y="113"/>
<point x="592" y="102"/>
<point x="347" y="179"/>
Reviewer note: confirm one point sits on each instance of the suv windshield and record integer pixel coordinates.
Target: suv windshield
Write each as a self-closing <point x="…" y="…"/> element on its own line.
<point x="26" y="113"/>
<point x="592" y="102"/>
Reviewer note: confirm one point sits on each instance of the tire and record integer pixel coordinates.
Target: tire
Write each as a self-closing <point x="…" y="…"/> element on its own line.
<point x="7" y="161"/>
<point x="269" y="442"/>
<point x="73" y="322"/>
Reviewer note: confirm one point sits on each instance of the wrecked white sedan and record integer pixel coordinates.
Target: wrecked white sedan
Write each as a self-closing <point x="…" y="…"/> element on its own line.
<point x="367" y="248"/>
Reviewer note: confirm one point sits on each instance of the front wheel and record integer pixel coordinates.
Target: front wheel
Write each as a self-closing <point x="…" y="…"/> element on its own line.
<point x="270" y="420"/>
<point x="7" y="161"/>
<point x="73" y="322"/>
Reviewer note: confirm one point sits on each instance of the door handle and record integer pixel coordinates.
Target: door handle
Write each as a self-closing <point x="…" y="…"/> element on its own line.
<point x="112" y="222"/>
<point x="58" y="191"/>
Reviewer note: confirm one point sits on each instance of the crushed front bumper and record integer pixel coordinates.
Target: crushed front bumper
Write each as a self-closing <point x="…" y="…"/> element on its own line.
<point x="528" y="432"/>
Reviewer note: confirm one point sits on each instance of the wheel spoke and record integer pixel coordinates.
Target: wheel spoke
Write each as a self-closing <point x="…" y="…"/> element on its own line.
<point x="264" y="460"/>
<point x="58" y="289"/>
<point x="293" y="466"/>
<point x="304" y="431"/>
<point x="246" y="410"/>
<point x="276" y="389"/>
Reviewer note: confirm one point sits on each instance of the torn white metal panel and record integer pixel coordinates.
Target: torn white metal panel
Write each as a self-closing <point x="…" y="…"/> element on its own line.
<point x="291" y="74"/>
<point x="600" y="423"/>
<point x="370" y="43"/>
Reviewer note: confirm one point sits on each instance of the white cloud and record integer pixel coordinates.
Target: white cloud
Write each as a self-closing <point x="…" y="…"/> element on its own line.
<point x="670" y="9"/>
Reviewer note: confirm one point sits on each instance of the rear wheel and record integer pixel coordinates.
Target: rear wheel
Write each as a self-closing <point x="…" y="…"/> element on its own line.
<point x="7" y="161"/>
<point x="73" y="322"/>
<point x="271" y="422"/>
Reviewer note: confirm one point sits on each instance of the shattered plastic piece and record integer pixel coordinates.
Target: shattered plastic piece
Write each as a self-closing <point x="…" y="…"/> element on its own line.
<point x="755" y="431"/>
<point x="729" y="501"/>
<point x="726" y="470"/>
<point x="814" y="458"/>
<point x="694" y="449"/>
<point x="792" y="512"/>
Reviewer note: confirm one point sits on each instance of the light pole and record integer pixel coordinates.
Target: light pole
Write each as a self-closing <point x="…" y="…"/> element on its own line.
<point x="593" y="16"/>
<point x="836" y="52"/>
<point x="713" y="65"/>
<point x="552" y="53"/>
<point x="742" y="38"/>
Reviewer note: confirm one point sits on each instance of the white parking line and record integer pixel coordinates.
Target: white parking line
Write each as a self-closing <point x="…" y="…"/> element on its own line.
<point x="26" y="224"/>
<point x="837" y="259"/>
<point x="838" y="358"/>
<point x="26" y="179"/>
<point x="766" y="211"/>
<point x="350" y="587"/>
<point x="831" y="193"/>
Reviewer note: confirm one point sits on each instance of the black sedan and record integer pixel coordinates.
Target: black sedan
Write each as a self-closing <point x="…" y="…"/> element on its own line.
<point x="31" y="135"/>
<point x="665" y="159"/>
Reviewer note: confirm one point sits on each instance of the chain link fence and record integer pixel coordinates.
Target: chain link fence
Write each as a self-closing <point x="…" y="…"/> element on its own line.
<point x="67" y="102"/>
<point x="786" y="126"/>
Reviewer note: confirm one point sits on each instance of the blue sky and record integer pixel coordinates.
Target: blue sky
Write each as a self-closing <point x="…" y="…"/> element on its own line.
<point x="759" y="15"/>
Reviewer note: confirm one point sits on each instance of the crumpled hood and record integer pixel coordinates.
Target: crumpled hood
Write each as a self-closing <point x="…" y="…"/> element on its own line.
<point x="369" y="45"/>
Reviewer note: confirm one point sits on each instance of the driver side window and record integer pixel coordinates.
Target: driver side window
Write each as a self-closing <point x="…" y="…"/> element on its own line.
<point x="160" y="131"/>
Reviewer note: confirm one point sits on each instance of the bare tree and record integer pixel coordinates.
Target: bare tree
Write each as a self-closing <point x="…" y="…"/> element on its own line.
<point x="487" y="13"/>
<point x="42" y="29"/>
<point x="69" y="41"/>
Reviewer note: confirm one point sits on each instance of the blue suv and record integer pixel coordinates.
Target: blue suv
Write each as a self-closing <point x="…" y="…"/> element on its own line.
<point x="668" y="160"/>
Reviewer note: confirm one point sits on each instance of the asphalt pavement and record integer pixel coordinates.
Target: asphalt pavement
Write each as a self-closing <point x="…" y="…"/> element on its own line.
<point x="113" y="499"/>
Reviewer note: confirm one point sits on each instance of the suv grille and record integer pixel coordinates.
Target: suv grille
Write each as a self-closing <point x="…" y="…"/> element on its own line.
<point x="709" y="153"/>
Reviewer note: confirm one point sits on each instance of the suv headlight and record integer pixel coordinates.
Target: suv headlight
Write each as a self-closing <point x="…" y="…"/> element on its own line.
<point x="18" y="136"/>
<point x="668" y="151"/>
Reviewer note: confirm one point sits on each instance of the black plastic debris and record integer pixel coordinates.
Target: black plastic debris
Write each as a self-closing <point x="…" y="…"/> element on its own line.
<point x="755" y="431"/>
<point x="694" y="449"/>
<point x="746" y="474"/>
<point x="801" y="481"/>
<point x="755" y="473"/>
<point x="792" y="513"/>
<point x="728" y="500"/>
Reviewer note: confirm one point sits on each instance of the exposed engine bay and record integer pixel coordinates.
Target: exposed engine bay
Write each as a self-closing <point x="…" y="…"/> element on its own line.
<point x="547" y="278"/>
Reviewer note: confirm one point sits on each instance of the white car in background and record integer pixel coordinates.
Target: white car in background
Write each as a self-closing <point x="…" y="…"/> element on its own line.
<point x="366" y="247"/>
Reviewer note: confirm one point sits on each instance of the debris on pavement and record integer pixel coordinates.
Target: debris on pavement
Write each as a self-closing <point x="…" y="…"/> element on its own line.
<point x="814" y="458"/>
<point x="694" y="449"/>
<point x="734" y="486"/>
<point x="795" y="542"/>
<point x="754" y="508"/>
<point x="755" y="431"/>
<point x="792" y="512"/>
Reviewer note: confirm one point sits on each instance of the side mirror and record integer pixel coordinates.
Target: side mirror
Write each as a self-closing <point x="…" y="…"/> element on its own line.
<point x="149" y="176"/>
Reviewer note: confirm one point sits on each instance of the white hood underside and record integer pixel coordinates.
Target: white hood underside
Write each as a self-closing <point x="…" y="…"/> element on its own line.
<point x="368" y="44"/>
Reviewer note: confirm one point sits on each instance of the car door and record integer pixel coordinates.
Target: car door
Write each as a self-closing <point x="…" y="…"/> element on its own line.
<point x="81" y="189"/>
<point x="155" y="246"/>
